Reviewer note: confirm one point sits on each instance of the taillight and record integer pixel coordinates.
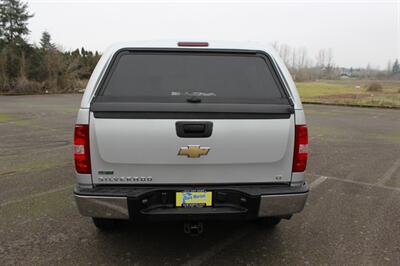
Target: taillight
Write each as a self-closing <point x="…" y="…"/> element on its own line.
<point x="82" y="149"/>
<point x="300" y="149"/>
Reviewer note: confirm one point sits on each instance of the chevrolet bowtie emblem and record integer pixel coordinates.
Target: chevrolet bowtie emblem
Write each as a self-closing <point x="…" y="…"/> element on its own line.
<point x="193" y="151"/>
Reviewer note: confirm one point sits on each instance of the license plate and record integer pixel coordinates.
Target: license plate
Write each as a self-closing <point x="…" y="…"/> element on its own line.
<point x="193" y="199"/>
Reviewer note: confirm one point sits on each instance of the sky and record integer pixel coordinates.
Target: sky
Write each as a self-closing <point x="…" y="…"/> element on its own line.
<point x="358" y="32"/>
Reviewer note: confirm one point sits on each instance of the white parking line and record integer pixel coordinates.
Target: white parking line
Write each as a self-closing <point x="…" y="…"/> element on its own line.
<point x="321" y="179"/>
<point x="36" y="195"/>
<point x="389" y="172"/>
<point x="354" y="182"/>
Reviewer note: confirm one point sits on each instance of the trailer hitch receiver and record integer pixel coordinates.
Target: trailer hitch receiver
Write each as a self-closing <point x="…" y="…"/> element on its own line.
<point x="193" y="228"/>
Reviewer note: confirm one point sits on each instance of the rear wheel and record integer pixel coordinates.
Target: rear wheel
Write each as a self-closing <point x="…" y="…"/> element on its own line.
<point x="269" y="221"/>
<point x="106" y="224"/>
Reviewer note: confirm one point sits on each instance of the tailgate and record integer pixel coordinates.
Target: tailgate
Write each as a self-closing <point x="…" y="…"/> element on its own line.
<point x="240" y="151"/>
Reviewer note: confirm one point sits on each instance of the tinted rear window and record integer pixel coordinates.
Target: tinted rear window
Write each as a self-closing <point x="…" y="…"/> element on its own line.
<point x="177" y="76"/>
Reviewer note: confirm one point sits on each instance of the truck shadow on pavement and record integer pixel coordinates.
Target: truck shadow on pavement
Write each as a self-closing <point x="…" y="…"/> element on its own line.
<point x="165" y="243"/>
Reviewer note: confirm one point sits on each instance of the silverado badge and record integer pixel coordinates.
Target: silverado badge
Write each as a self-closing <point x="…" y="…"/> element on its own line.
<point x="193" y="151"/>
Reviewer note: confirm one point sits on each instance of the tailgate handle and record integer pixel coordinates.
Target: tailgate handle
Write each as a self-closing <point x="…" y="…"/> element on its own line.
<point x="195" y="129"/>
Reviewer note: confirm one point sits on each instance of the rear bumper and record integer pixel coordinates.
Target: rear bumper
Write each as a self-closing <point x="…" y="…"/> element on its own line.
<point x="238" y="202"/>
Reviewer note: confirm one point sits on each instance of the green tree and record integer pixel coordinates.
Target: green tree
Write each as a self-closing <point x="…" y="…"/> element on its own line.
<point x="396" y="66"/>
<point x="45" y="41"/>
<point x="27" y="68"/>
<point x="14" y="18"/>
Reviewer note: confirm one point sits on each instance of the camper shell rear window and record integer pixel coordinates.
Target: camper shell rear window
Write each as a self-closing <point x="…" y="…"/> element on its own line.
<point x="195" y="76"/>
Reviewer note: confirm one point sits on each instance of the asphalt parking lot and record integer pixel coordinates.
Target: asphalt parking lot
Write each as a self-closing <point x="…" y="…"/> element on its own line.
<point x="352" y="216"/>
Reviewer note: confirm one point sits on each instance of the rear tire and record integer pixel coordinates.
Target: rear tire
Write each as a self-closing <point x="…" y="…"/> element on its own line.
<point x="269" y="221"/>
<point x="106" y="224"/>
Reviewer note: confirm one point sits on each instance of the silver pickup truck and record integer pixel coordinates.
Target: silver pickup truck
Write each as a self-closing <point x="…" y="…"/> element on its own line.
<point x="190" y="131"/>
